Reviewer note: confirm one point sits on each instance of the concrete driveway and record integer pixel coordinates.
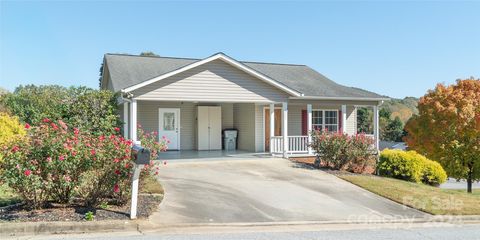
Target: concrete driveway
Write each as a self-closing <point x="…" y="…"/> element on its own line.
<point x="264" y="190"/>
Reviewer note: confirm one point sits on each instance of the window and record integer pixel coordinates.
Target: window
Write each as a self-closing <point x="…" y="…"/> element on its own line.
<point x="168" y="121"/>
<point x="325" y="120"/>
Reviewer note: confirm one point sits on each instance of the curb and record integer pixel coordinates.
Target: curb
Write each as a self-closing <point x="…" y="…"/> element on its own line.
<point x="19" y="229"/>
<point x="439" y="219"/>
<point x="39" y="228"/>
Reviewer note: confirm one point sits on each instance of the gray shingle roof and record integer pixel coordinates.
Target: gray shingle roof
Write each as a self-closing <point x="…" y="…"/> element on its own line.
<point x="129" y="70"/>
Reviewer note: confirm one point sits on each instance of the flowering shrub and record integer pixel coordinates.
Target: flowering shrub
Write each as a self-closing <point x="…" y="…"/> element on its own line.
<point x="149" y="141"/>
<point x="56" y="160"/>
<point x="108" y="177"/>
<point x="343" y="152"/>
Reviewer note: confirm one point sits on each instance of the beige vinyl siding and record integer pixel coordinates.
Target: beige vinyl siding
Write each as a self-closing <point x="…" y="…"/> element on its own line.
<point x="295" y="120"/>
<point x="244" y="121"/>
<point x="148" y="118"/>
<point x="227" y="115"/>
<point x="259" y="133"/>
<point x="350" y="124"/>
<point x="215" y="81"/>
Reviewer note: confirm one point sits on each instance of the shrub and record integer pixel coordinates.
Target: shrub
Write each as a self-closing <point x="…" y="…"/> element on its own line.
<point x="400" y="164"/>
<point x="343" y="152"/>
<point x="433" y="173"/>
<point x="410" y="166"/>
<point x="149" y="141"/>
<point x="10" y="129"/>
<point x="108" y="177"/>
<point x="55" y="160"/>
<point x="80" y="107"/>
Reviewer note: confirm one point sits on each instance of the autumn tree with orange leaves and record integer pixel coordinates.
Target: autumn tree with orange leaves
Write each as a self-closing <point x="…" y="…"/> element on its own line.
<point x="447" y="128"/>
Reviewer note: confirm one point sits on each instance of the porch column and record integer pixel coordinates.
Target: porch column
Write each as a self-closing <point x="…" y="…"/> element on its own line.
<point x="376" y="130"/>
<point x="272" y="125"/>
<point x="344" y="119"/>
<point x="133" y="120"/>
<point x="125" y="120"/>
<point x="285" y="128"/>
<point x="309" y="127"/>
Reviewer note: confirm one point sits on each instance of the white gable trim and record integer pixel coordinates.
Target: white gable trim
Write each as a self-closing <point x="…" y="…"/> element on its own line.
<point x="224" y="58"/>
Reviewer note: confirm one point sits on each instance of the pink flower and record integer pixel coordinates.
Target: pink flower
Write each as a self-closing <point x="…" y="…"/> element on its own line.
<point x="101" y="138"/>
<point x="61" y="158"/>
<point x="27" y="172"/>
<point x="117" y="172"/>
<point x="92" y="152"/>
<point x="67" y="178"/>
<point x="75" y="131"/>
<point x="46" y="120"/>
<point x="49" y="159"/>
<point x="15" y="148"/>
<point x="18" y="166"/>
<point x="54" y="126"/>
<point x="27" y="126"/>
<point x="62" y="124"/>
<point x="116" y="188"/>
<point x="116" y="160"/>
<point x="156" y="173"/>
<point x="117" y="129"/>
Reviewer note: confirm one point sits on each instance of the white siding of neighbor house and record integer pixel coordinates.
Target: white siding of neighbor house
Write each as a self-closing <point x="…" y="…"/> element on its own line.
<point x="244" y="121"/>
<point x="215" y="81"/>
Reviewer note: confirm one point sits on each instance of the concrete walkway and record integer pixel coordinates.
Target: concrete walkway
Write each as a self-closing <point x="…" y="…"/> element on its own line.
<point x="265" y="190"/>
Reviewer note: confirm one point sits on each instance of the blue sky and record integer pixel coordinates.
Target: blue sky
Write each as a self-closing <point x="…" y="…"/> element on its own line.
<point x="392" y="48"/>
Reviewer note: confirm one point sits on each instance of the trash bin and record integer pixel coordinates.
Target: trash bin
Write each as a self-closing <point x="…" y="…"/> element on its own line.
<point x="230" y="139"/>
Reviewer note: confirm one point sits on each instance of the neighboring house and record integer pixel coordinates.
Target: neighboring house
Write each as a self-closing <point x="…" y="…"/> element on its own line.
<point x="272" y="105"/>
<point x="392" y="145"/>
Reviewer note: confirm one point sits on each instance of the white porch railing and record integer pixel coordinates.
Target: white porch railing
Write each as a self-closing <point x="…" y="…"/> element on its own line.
<point x="297" y="144"/>
<point x="276" y="144"/>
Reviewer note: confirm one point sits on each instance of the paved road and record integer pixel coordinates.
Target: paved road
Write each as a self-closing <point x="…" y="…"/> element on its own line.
<point x="264" y="190"/>
<point x="470" y="232"/>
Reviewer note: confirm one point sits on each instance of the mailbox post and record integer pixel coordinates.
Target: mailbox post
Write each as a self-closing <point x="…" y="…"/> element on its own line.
<point x="140" y="156"/>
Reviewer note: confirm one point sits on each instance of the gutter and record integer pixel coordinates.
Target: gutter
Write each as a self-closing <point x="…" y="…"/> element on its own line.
<point x="341" y="98"/>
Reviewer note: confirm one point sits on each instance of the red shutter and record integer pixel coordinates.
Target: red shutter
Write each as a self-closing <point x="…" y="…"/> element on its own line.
<point x="304" y="122"/>
<point x="340" y="130"/>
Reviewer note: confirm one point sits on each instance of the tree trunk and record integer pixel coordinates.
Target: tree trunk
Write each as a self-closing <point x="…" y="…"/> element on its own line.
<point x="469" y="179"/>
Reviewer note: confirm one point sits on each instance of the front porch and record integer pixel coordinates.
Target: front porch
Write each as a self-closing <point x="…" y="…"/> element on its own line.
<point x="195" y="155"/>
<point x="273" y="129"/>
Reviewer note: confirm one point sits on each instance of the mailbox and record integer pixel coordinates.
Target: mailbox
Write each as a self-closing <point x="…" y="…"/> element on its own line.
<point x="140" y="155"/>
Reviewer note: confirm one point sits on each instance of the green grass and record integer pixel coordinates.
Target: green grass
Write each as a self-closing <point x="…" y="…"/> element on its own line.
<point x="420" y="196"/>
<point x="7" y="197"/>
<point x="150" y="184"/>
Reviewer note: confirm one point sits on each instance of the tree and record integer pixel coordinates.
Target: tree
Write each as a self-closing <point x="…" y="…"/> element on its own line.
<point x="149" y="54"/>
<point x="447" y="128"/>
<point x="393" y="131"/>
<point x="364" y="120"/>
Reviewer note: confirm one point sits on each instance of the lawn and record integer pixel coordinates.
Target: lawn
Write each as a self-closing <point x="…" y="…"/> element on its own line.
<point x="420" y="196"/>
<point x="7" y="197"/>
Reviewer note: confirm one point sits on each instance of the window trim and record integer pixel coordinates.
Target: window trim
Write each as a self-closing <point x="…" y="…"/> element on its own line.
<point x="323" y="118"/>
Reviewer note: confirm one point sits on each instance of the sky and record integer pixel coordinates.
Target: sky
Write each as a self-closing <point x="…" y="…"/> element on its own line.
<point x="395" y="49"/>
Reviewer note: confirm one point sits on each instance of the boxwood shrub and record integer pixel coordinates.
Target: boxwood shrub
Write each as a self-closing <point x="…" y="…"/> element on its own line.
<point x="410" y="166"/>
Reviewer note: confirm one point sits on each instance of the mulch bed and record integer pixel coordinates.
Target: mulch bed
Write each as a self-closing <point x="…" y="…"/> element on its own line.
<point x="147" y="204"/>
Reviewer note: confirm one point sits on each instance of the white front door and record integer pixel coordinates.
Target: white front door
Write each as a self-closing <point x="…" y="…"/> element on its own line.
<point x="169" y="126"/>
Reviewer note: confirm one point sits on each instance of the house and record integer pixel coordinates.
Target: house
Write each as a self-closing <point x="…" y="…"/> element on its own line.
<point x="392" y="145"/>
<point x="190" y="101"/>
